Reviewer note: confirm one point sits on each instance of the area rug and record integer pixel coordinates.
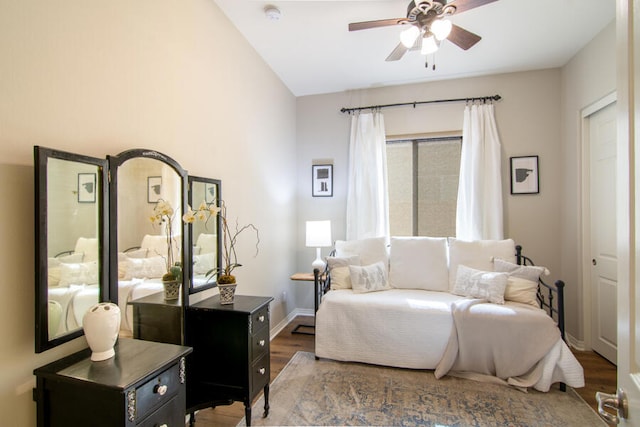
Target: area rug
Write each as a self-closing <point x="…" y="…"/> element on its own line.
<point x="311" y="392"/>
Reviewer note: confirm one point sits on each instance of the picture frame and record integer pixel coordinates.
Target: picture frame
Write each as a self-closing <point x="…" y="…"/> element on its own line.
<point x="525" y="178"/>
<point x="210" y="193"/>
<point x="154" y="189"/>
<point x="322" y="180"/>
<point x="87" y="188"/>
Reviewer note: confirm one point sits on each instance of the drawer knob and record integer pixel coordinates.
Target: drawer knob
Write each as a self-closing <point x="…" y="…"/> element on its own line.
<point x="261" y="343"/>
<point x="160" y="389"/>
<point x="262" y="371"/>
<point x="261" y="318"/>
<point x="164" y="425"/>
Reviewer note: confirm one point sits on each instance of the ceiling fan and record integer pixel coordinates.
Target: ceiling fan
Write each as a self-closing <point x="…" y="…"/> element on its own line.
<point x="427" y="25"/>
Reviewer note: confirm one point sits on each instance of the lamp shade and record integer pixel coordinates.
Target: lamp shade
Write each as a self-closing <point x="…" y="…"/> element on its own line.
<point x="318" y="234"/>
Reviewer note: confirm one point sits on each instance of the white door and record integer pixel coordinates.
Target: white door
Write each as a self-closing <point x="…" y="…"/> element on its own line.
<point x="604" y="261"/>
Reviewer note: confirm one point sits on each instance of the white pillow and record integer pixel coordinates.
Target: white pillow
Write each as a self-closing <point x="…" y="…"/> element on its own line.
<point x="80" y="273"/>
<point x="478" y="254"/>
<point x="202" y="264"/>
<point x="73" y="258"/>
<point x="339" y="271"/>
<point x="207" y="243"/>
<point x="88" y="247"/>
<point x="529" y="272"/>
<point x="137" y="253"/>
<point x="419" y="263"/>
<point x="521" y="290"/>
<point x="139" y="268"/>
<point x="489" y="285"/>
<point x="369" y="278"/>
<point x="369" y="250"/>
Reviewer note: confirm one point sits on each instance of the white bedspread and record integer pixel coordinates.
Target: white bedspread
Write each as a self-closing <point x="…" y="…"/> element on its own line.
<point x="515" y="344"/>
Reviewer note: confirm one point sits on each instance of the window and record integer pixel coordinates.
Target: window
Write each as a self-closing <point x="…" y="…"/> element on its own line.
<point x="423" y="186"/>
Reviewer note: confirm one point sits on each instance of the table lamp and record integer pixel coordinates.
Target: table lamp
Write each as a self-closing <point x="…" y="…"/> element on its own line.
<point x="318" y="236"/>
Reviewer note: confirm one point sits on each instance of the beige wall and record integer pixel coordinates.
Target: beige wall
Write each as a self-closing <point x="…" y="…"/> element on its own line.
<point x="98" y="78"/>
<point x="587" y="78"/>
<point x="528" y="120"/>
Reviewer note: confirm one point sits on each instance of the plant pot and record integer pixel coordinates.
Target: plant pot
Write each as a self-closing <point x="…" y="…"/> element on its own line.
<point x="101" y="324"/>
<point x="227" y="292"/>
<point x="171" y="290"/>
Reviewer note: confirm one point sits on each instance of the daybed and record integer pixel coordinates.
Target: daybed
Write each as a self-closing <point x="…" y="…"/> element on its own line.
<point x="459" y="308"/>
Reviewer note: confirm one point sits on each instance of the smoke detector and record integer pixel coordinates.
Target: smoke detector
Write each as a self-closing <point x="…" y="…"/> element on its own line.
<point x="272" y="13"/>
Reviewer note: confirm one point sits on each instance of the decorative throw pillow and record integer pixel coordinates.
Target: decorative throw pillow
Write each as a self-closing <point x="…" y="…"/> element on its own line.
<point x="478" y="254"/>
<point x="369" y="250"/>
<point x="202" y="264"/>
<point x="529" y="272"/>
<point x="339" y="271"/>
<point x="419" y="263"/>
<point x="521" y="290"/>
<point x="369" y="278"/>
<point x="137" y="253"/>
<point x="153" y="267"/>
<point x="489" y="285"/>
<point x="77" y="274"/>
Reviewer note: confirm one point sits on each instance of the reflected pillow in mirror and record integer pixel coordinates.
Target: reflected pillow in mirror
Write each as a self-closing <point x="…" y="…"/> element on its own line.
<point x="84" y="273"/>
<point x="88" y="247"/>
<point x="139" y="268"/>
<point x="204" y="263"/>
<point x="137" y="253"/>
<point x="207" y="243"/>
<point x="73" y="258"/>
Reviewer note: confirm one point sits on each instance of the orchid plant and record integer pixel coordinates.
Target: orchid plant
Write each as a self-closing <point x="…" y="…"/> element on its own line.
<point x="162" y="216"/>
<point x="229" y="237"/>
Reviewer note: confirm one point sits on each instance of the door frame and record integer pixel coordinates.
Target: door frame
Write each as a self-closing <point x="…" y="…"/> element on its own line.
<point x="585" y="191"/>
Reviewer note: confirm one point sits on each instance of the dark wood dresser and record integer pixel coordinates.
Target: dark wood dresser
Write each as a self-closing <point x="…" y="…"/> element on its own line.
<point x="231" y="354"/>
<point x="142" y="385"/>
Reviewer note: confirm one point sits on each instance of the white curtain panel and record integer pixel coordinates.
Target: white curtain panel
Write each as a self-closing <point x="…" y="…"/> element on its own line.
<point x="367" y="196"/>
<point x="479" y="212"/>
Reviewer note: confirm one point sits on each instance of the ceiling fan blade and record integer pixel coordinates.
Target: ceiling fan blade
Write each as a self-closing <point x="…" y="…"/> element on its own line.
<point x="463" y="38"/>
<point x="355" y="26"/>
<point x="397" y="53"/>
<point x="462" y="5"/>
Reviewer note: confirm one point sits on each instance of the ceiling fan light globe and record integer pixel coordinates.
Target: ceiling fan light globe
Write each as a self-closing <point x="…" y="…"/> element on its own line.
<point x="409" y="36"/>
<point x="441" y="28"/>
<point x="429" y="45"/>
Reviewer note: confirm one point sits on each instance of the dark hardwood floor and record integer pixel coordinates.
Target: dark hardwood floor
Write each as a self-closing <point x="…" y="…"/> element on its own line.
<point x="600" y="375"/>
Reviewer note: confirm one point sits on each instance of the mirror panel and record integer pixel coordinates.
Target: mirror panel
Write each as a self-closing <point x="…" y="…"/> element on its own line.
<point x="140" y="250"/>
<point x="206" y="236"/>
<point x="70" y="248"/>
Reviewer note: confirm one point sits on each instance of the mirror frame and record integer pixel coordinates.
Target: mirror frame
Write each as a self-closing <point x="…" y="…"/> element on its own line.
<point x="213" y="284"/>
<point x="41" y="156"/>
<point x="114" y="163"/>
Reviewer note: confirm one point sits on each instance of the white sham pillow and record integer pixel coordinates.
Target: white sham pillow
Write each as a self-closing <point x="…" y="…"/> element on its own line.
<point x="204" y="263"/>
<point x="419" y="263"/>
<point x="489" y="285"/>
<point x="529" y="272"/>
<point x="521" y="290"/>
<point x="139" y="268"/>
<point x="339" y="271"/>
<point x="369" y="278"/>
<point x="478" y="254"/>
<point x="78" y="274"/>
<point x="369" y="250"/>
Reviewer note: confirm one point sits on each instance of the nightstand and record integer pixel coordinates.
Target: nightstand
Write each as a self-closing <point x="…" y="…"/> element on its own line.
<point x="231" y="360"/>
<point x="305" y="277"/>
<point x="142" y="385"/>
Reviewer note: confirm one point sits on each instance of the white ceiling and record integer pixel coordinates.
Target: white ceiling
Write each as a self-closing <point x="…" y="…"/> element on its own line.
<point x="312" y="51"/>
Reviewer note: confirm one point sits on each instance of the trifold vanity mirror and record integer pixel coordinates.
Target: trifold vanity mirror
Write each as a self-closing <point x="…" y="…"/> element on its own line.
<point x="97" y="239"/>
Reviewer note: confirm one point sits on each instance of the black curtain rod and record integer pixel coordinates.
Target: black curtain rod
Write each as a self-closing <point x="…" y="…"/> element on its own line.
<point x="375" y="107"/>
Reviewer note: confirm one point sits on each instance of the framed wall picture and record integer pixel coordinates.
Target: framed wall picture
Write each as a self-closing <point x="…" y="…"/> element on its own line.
<point x="210" y="191"/>
<point x="322" y="181"/>
<point x="154" y="189"/>
<point x="86" y="188"/>
<point x="524" y="175"/>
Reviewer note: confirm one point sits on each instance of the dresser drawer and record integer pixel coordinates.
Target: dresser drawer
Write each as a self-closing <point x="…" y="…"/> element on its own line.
<point x="171" y="414"/>
<point x="259" y="319"/>
<point x="260" y="374"/>
<point x="259" y="344"/>
<point x="157" y="391"/>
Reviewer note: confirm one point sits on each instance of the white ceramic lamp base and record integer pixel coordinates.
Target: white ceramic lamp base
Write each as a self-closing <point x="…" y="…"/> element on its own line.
<point x="318" y="262"/>
<point x="101" y="324"/>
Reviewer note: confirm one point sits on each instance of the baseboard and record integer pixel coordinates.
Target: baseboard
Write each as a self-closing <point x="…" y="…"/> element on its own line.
<point x="283" y="324"/>
<point x="575" y="343"/>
